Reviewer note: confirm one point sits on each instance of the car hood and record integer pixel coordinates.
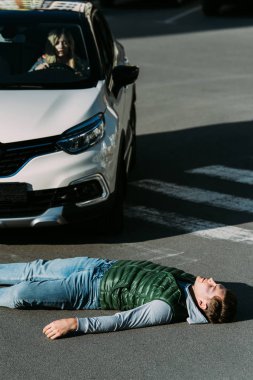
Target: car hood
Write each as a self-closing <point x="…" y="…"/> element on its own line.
<point x="33" y="114"/>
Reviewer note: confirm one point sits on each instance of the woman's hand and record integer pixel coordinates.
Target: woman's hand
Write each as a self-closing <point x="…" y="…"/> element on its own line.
<point x="42" y="66"/>
<point x="60" y="327"/>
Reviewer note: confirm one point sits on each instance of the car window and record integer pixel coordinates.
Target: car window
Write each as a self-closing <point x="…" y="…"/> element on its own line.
<point x="104" y="42"/>
<point x="43" y="54"/>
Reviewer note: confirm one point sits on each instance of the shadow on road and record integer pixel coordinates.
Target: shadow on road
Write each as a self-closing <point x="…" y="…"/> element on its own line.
<point x="152" y="18"/>
<point x="244" y="294"/>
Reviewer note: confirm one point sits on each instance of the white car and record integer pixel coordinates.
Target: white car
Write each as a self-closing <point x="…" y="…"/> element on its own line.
<point x="110" y="3"/>
<point x="67" y="122"/>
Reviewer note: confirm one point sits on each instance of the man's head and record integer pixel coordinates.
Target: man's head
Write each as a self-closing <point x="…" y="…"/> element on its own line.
<point x="218" y="303"/>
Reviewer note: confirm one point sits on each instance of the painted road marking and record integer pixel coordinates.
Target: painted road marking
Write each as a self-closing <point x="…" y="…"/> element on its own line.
<point x="180" y="15"/>
<point x="156" y="252"/>
<point x="151" y="252"/>
<point x="224" y="172"/>
<point x="196" y="226"/>
<point x="196" y="195"/>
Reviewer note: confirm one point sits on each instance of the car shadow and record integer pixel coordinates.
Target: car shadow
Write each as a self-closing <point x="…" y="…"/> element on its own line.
<point x="167" y="157"/>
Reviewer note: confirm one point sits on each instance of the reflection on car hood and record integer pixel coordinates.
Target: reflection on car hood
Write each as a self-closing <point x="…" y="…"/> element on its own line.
<point x="32" y="114"/>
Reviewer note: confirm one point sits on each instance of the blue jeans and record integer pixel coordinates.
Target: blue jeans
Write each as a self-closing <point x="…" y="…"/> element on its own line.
<point x="60" y="284"/>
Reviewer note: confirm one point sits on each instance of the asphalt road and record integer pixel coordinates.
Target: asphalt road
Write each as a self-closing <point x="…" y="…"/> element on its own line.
<point x="189" y="205"/>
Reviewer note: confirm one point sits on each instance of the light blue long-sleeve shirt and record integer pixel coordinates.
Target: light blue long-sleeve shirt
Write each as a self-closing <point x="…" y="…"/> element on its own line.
<point x="150" y="314"/>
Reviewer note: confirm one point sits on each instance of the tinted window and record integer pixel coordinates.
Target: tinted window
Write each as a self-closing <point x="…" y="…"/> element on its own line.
<point x="44" y="54"/>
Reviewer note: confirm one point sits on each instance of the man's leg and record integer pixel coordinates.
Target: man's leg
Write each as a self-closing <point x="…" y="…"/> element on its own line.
<point x="35" y="295"/>
<point x="78" y="291"/>
<point x="39" y="270"/>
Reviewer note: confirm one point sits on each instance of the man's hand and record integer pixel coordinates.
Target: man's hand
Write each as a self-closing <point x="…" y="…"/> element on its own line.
<point x="60" y="327"/>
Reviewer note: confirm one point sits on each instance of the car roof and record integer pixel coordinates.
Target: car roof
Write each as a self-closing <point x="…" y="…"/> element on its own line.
<point x="50" y="5"/>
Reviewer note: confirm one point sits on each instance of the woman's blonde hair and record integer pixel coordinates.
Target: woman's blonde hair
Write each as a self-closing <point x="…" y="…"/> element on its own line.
<point x="52" y="40"/>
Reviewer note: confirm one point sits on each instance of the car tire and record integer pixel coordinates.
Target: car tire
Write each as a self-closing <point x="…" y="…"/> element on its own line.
<point x="211" y="7"/>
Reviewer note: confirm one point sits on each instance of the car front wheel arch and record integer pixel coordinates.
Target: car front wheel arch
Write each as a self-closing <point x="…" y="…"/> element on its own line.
<point x="112" y="221"/>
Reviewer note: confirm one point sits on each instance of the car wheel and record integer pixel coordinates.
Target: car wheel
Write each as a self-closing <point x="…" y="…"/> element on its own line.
<point x="210" y="7"/>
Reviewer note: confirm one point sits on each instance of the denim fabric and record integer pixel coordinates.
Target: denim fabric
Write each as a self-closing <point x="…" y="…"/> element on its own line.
<point x="61" y="283"/>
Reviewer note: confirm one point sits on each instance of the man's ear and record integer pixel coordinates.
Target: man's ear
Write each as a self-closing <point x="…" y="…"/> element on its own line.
<point x="202" y="303"/>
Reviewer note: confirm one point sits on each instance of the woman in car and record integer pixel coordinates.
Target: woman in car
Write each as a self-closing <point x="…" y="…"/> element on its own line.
<point x="60" y="49"/>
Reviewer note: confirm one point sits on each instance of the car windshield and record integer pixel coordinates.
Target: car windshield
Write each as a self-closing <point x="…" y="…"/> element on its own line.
<point x="43" y="55"/>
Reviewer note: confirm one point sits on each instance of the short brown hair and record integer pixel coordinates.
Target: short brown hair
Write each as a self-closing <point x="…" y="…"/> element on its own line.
<point x="222" y="310"/>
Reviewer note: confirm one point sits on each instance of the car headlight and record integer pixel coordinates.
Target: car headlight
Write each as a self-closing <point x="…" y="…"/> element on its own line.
<point x="79" y="138"/>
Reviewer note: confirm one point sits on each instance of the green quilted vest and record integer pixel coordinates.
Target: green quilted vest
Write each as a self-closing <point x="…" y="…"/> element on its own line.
<point x="129" y="284"/>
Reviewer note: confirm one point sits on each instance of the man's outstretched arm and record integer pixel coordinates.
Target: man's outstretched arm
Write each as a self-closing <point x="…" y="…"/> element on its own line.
<point x="151" y="314"/>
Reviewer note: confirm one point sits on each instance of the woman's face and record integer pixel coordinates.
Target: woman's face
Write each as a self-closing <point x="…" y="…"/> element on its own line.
<point x="62" y="47"/>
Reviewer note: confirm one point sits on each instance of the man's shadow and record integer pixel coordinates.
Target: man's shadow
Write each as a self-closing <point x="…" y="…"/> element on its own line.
<point x="244" y="295"/>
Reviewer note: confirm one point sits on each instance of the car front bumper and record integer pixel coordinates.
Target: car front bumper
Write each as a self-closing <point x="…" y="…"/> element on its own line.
<point x="83" y="200"/>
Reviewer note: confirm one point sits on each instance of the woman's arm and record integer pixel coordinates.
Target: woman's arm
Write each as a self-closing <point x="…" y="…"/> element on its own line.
<point x="40" y="64"/>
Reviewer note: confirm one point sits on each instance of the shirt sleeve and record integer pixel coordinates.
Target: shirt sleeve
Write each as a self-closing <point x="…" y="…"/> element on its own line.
<point x="37" y="63"/>
<point x="150" y="314"/>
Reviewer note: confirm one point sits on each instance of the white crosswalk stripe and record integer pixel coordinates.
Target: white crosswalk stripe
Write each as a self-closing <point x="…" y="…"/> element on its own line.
<point x="225" y="172"/>
<point x="196" y="226"/>
<point x="196" y="195"/>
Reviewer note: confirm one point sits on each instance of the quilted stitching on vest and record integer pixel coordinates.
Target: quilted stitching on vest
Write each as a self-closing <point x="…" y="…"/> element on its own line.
<point x="129" y="284"/>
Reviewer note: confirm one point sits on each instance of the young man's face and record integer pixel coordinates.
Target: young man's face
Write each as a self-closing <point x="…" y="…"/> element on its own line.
<point x="205" y="289"/>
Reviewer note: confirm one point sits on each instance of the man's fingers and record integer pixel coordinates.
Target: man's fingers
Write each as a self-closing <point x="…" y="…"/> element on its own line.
<point x="52" y="333"/>
<point x="49" y="334"/>
<point x="60" y="327"/>
<point x="47" y="327"/>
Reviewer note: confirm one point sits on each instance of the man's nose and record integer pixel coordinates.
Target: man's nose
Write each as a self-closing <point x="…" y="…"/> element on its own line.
<point x="211" y="281"/>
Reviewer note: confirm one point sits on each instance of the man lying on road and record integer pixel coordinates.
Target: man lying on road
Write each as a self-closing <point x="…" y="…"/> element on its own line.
<point x="147" y="294"/>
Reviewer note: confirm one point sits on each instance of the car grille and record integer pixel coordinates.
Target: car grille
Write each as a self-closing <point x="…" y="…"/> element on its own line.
<point x="15" y="155"/>
<point x="39" y="201"/>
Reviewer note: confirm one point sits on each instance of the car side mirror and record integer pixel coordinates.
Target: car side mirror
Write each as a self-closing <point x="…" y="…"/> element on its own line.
<point x="122" y="76"/>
